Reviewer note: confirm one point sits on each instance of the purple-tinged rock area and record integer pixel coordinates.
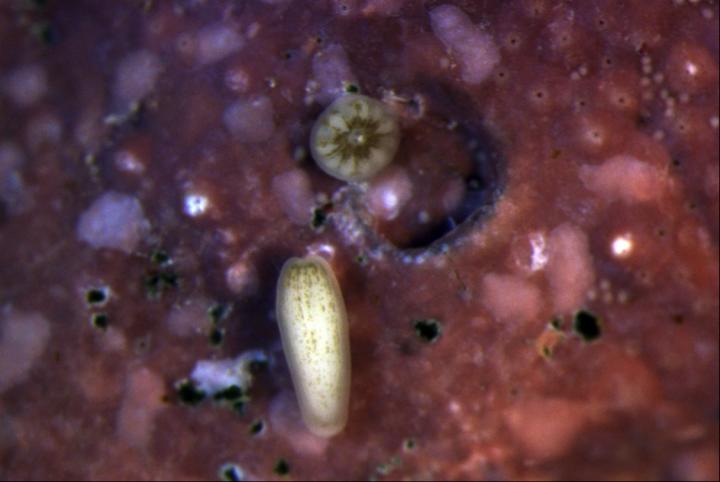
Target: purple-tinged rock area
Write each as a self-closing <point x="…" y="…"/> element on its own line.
<point x="531" y="284"/>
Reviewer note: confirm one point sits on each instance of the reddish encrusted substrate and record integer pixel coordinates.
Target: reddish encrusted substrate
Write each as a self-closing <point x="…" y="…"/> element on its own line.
<point x="532" y="285"/>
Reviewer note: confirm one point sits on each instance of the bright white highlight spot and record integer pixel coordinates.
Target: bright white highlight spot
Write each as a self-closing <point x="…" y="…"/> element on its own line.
<point x="622" y="246"/>
<point x="691" y="68"/>
<point x="539" y="256"/>
<point x="195" y="205"/>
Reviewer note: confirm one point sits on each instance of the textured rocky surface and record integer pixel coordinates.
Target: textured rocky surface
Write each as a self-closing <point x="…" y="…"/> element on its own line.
<point x="532" y="285"/>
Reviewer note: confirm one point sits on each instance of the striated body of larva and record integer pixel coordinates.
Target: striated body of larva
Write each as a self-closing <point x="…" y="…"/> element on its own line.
<point x="314" y="331"/>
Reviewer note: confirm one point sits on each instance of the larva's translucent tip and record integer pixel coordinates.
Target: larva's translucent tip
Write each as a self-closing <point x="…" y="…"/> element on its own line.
<point x="354" y="138"/>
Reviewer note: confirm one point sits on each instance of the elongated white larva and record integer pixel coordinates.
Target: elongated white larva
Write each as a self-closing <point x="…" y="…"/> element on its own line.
<point x="314" y="331"/>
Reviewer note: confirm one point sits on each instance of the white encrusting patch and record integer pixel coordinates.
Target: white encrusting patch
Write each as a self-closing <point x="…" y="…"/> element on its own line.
<point x="570" y="269"/>
<point x="213" y="376"/>
<point x="510" y="298"/>
<point x="475" y="50"/>
<point x="250" y="120"/>
<point x="25" y="85"/>
<point x="141" y="403"/>
<point x="331" y="74"/>
<point x="215" y="42"/>
<point x="136" y="76"/>
<point x="195" y="204"/>
<point x="114" y="221"/>
<point x="625" y="178"/>
<point x="24" y="337"/>
<point x="389" y="194"/>
<point x="292" y="188"/>
<point x="539" y="255"/>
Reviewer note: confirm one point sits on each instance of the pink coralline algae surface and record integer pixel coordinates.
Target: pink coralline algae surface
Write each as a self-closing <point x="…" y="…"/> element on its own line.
<point x="531" y="285"/>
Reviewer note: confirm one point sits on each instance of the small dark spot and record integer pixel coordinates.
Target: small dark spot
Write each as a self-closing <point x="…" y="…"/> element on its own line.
<point x="160" y="257"/>
<point x="281" y="467"/>
<point x="256" y="427"/>
<point x="230" y="394"/>
<point x="409" y="444"/>
<point x="607" y="61"/>
<point x="428" y="330"/>
<point x="661" y="232"/>
<point x="97" y="296"/>
<point x="240" y="405"/>
<point x="319" y="218"/>
<point x="361" y="259"/>
<point x="45" y="33"/>
<point x="99" y="321"/>
<point x="555" y="153"/>
<point x="473" y="183"/>
<point x="188" y="393"/>
<point x="157" y="282"/>
<point x="675" y="162"/>
<point x="351" y="88"/>
<point x="587" y="325"/>
<point x="287" y="55"/>
<point x="141" y="345"/>
<point x="601" y="23"/>
<point x="218" y="312"/>
<point x="556" y="324"/>
<point x="231" y="472"/>
<point x="691" y="205"/>
<point x="539" y="94"/>
<point x="514" y="392"/>
<point x="216" y="336"/>
<point x="678" y="318"/>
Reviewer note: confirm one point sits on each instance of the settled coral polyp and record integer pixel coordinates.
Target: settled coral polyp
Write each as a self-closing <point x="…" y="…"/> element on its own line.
<point x="354" y="138"/>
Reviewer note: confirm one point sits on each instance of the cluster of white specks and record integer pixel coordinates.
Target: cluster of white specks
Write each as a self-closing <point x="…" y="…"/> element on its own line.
<point x="237" y="80"/>
<point x="331" y="75"/>
<point x="25" y="85"/>
<point x="539" y="254"/>
<point x="213" y="376"/>
<point x="250" y="120"/>
<point x="195" y="204"/>
<point x="24" y="337"/>
<point x="622" y="245"/>
<point x="215" y="42"/>
<point x="114" y="221"/>
<point x="136" y="76"/>
<point x="128" y="161"/>
<point x="475" y="50"/>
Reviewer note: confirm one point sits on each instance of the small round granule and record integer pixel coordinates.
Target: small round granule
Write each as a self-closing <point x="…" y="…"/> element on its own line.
<point x="354" y="138"/>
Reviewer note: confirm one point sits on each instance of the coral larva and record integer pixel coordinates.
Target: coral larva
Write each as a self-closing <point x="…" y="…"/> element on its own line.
<point x="314" y="331"/>
<point x="354" y="138"/>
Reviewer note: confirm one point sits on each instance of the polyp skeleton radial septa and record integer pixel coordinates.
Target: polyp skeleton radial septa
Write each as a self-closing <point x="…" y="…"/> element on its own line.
<point x="354" y="138"/>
